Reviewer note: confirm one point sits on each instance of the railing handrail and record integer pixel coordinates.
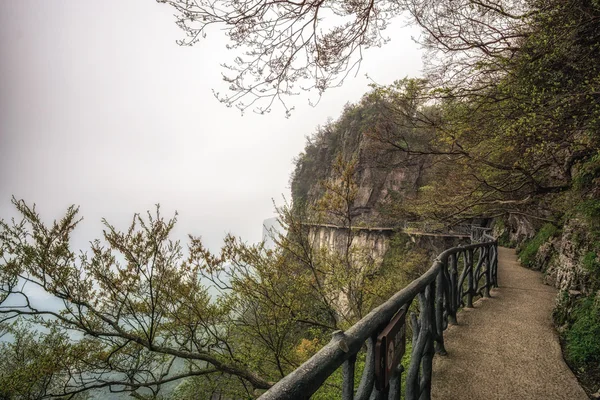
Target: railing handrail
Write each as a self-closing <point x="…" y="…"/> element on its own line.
<point x="343" y="347"/>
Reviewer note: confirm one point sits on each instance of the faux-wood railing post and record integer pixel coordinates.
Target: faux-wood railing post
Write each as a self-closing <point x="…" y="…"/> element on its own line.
<point x="495" y="265"/>
<point x="367" y="381"/>
<point x="470" y="254"/>
<point x="348" y="378"/>
<point x="418" y="376"/>
<point x="488" y="273"/>
<point x="396" y="384"/>
<point x="429" y="352"/>
<point x="452" y="261"/>
<point x="439" y="313"/>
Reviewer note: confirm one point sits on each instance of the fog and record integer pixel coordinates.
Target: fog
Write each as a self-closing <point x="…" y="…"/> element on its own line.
<point x="100" y="107"/>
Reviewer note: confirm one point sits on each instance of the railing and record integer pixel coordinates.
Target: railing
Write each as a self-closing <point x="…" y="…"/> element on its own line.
<point x="438" y="228"/>
<point x="457" y="276"/>
<point x="480" y="234"/>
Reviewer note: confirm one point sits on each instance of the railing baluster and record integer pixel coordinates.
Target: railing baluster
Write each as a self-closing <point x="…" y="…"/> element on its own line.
<point x="471" y="292"/>
<point x="396" y="384"/>
<point x="378" y="395"/>
<point x="478" y="270"/>
<point x="495" y="266"/>
<point x="453" y="288"/>
<point x="427" y="325"/>
<point x="463" y="276"/>
<point x="367" y="380"/>
<point x="412" y="375"/>
<point x="348" y="378"/>
<point x="488" y="275"/>
<point x="439" y="314"/>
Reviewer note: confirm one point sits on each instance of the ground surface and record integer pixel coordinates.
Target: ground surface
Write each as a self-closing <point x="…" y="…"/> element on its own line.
<point x="506" y="347"/>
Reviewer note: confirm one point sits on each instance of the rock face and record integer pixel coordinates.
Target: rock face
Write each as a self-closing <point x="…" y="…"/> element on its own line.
<point x="379" y="173"/>
<point x="513" y="230"/>
<point x="376" y="242"/>
<point x="571" y="262"/>
<point x="562" y="259"/>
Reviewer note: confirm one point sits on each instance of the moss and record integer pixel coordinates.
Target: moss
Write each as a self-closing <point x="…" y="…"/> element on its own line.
<point x="530" y="247"/>
<point x="589" y="211"/>
<point x="591" y="262"/>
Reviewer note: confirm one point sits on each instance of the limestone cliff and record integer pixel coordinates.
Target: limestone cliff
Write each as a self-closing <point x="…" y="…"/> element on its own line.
<point x="381" y="174"/>
<point x="564" y="259"/>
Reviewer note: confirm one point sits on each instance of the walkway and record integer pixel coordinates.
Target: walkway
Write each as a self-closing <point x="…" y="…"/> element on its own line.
<point x="408" y="231"/>
<point x="506" y="348"/>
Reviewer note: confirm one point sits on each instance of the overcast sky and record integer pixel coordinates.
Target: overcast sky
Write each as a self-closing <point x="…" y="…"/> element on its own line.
<point x="99" y="107"/>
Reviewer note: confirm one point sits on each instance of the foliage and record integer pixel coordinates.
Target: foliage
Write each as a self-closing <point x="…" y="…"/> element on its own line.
<point x="332" y="389"/>
<point x="288" y="46"/>
<point x="367" y="135"/>
<point x="138" y="305"/>
<point x="503" y="234"/>
<point x="590" y="210"/>
<point x="582" y="344"/>
<point x="32" y="363"/>
<point x="147" y="315"/>
<point x="404" y="261"/>
<point x="514" y="110"/>
<point x="591" y="263"/>
<point x="531" y="247"/>
<point x="507" y="119"/>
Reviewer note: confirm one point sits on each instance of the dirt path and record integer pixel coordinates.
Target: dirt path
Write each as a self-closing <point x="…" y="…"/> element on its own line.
<point x="506" y="348"/>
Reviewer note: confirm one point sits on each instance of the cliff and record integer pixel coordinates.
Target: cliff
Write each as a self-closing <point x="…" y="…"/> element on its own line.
<point x="366" y="181"/>
<point x="381" y="175"/>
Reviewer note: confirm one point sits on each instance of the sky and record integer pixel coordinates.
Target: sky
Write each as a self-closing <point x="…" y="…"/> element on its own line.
<point x="99" y="107"/>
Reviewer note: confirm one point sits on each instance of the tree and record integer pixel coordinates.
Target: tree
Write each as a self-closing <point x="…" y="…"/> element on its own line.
<point x="288" y="46"/>
<point x="32" y="364"/>
<point x="139" y="313"/>
<point x="514" y="141"/>
<point x="138" y="306"/>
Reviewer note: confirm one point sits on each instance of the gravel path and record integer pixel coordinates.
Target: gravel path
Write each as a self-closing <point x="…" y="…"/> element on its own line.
<point x="506" y="347"/>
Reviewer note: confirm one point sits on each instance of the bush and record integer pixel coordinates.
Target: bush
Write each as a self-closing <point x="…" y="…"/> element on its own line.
<point x="531" y="247"/>
<point x="503" y="233"/>
<point x="582" y="344"/>
<point x="591" y="263"/>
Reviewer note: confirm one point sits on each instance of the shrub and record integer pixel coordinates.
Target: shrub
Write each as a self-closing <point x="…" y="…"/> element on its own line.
<point x="582" y="344"/>
<point x="504" y="237"/>
<point x="531" y="247"/>
<point x="591" y="263"/>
